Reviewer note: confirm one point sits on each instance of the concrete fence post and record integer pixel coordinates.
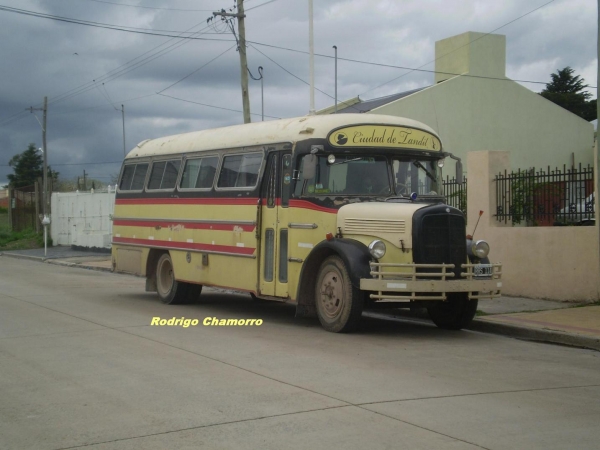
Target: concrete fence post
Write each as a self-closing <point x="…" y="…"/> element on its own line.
<point x="483" y="166"/>
<point x="10" y="208"/>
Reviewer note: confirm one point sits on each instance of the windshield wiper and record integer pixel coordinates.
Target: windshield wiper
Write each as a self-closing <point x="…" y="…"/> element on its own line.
<point x="346" y="161"/>
<point x="421" y="166"/>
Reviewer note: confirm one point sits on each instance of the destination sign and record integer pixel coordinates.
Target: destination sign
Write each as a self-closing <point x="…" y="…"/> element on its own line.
<point x="384" y="136"/>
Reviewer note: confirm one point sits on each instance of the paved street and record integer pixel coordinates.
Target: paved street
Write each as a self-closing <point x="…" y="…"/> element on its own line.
<point x="81" y="367"/>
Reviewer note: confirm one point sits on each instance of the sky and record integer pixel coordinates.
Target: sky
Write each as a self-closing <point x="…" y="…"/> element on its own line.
<point x="170" y="84"/>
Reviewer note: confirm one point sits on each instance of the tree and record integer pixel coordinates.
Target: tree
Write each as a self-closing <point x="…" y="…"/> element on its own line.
<point x="28" y="167"/>
<point x="568" y="90"/>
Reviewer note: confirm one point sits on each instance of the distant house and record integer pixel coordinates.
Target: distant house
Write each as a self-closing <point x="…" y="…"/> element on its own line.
<point x="475" y="107"/>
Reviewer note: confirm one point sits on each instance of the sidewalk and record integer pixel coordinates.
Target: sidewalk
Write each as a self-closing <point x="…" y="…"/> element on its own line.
<point x="566" y="323"/>
<point x="65" y="256"/>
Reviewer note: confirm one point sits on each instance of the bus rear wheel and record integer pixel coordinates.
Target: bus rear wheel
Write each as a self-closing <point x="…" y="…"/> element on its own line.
<point x="170" y="291"/>
<point x="455" y="313"/>
<point x="339" y="304"/>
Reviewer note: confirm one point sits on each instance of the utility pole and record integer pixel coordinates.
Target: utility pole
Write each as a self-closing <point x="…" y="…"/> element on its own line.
<point x="44" y="109"/>
<point x="242" y="50"/>
<point x="335" y="76"/>
<point x="311" y="58"/>
<point x="84" y="180"/>
<point x="45" y="150"/>
<point x="123" y="114"/>
<point x="262" y="93"/>
<point x="45" y="218"/>
<point x="597" y="153"/>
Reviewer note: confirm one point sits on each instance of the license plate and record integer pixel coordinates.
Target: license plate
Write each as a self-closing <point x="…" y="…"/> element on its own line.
<point x="483" y="270"/>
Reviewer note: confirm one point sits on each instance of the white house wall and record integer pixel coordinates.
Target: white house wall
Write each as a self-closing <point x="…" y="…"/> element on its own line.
<point x="473" y="114"/>
<point x="82" y="219"/>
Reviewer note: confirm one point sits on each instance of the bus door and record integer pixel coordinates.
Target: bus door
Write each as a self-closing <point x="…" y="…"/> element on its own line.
<point x="273" y="264"/>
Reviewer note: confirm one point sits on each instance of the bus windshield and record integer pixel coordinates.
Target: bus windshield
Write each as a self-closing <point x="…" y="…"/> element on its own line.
<point x="370" y="175"/>
<point x="347" y="175"/>
<point x="415" y="175"/>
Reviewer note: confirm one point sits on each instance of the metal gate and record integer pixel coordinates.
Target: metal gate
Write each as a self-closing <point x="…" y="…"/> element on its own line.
<point x="24" y="207"/>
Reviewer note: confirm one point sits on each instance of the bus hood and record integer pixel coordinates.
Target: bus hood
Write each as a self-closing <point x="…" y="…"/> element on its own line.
<point x="389" y="221"/>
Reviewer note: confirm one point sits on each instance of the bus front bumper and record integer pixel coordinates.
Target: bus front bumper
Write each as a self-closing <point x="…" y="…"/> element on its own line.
<point x="405" y="282"/>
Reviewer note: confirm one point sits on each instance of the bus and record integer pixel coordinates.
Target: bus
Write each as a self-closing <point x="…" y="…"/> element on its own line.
<point x="335" y="214"/>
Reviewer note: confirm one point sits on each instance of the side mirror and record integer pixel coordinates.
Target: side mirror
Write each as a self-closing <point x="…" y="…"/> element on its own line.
<point x="459" y="172"/>
<point x="309" y="166"/>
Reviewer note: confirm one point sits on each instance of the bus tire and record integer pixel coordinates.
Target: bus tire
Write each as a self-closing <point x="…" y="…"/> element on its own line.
<point x="455" y="313"/>
<point x="170" y="291"/>
<point x="339" y="305"/>
<point x="193" y="291"/>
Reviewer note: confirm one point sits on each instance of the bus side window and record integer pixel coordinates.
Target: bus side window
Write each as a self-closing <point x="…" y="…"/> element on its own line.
<point x="139" y="177"/>
<point x="206" y="177"/>
<point x="199" y="173"/>
<point x="127" y="177"/>
<point x="164" y="174"/>
<point x="133" y="177"/>
<point x="240" y="171"/>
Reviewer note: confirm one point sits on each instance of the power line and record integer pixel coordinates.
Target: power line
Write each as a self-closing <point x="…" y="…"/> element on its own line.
<point x="151" y="7"/>
<point x="172" y="9"/>
<point x="258" y="6"/>
<point x="181" y="40"/>
<point x="198" y="69"/>
<point x="137" y="30"/>
<point x="77" y="164"/>
<point x="117" y="28"/>
<point x="14" y="118"/>
<point x="469" y="43"/>
<point x="298" y="78"/>
<point x="101" y="106"/>
<point x="123" y="69"/>
<point x="129" y="66"/>
<point x="213" y="106"/>
<point x="391" y="66"/>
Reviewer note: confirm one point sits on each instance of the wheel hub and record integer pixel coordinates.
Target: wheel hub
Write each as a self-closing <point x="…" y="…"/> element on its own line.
<point x="165" y="278"/>
<point x="332" y="295"/>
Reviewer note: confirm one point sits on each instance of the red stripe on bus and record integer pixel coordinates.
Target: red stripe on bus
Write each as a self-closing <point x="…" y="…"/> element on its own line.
<point x="186" y="201"/>
<point x="308" y="205"/>
<point x="185" y="245"/>
<point x="185" y="225"/>
<point x="303" y="204"/>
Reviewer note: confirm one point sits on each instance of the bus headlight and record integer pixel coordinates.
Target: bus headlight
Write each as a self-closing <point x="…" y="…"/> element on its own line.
<point x="377" y="249"/>
<point x="480" y="249"/>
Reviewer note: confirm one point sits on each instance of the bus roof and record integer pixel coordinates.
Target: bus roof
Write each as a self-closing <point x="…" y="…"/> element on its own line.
<point x="270" y="132"/>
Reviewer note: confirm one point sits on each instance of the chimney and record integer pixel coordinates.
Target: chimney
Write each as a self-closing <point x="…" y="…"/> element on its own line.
<point x="472" y="53"/>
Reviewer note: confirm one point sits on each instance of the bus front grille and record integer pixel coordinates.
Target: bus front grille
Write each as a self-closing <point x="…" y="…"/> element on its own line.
<point x="439" y="237"/>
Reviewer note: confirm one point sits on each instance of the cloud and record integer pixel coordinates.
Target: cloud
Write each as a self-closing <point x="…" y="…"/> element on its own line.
<point x="38" y="59"/>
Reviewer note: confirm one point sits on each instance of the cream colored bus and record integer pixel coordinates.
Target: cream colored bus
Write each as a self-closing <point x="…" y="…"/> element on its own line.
<point x="335" y="214"/>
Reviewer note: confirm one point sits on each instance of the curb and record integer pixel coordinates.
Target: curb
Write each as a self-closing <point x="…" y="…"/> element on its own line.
<point x="27" y="257"/>
<point x="57" y="262"/>
<point x="533" y="334"/>
<point x="509" y="330"/>
<point x="80" y="266"/>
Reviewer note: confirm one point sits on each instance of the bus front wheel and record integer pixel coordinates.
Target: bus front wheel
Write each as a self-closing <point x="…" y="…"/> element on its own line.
<point x="170" y="291"/>
<point x="455" y="313"/>
<point x="339" y="304"/>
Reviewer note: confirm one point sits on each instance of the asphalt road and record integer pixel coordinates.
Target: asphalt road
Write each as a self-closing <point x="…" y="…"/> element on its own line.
<point x="81" y="367"/>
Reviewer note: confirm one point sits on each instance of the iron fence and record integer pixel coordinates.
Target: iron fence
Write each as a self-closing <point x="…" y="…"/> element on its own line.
<point x="455" y="193"/>
<point x="24" y="206"/>
<point x="546" y="197"/>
